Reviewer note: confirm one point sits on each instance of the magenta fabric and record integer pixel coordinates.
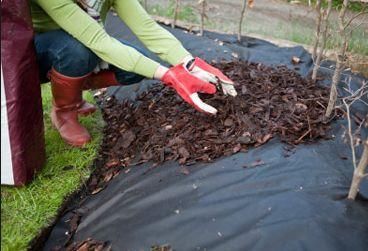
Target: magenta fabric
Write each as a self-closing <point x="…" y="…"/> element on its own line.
<point x="22" y="91"/>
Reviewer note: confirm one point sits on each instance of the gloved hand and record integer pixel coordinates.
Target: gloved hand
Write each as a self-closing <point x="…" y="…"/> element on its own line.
<point x="188" y="86"/>
<point x="208" y="73"/>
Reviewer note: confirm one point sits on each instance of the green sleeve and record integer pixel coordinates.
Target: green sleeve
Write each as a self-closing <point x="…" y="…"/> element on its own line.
<point x="152" y="35"/>
<point x="71" y="18"/>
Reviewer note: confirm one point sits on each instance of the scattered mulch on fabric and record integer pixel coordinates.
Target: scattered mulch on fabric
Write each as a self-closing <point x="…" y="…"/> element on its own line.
<point x="90" y="245"/>
<point x="271" y="102"/>
<point x="165" y="247"/>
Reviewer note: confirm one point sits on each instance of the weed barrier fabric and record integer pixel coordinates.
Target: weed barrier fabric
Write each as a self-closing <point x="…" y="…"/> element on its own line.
<point x="293" y="201"/>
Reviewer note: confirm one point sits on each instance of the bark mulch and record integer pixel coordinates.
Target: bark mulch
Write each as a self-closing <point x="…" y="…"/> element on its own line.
<point x="271" y="102"/>
<point x="159" y="126"/>
<point x="89" y="245"/>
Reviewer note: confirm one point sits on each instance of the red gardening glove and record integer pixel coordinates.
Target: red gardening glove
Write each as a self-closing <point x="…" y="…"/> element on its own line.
<point x="188" y="86"/>
<point x="206" y="72"/>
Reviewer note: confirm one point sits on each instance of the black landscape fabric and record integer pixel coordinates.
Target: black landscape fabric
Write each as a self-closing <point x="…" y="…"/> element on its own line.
<point x="271" y="197"/>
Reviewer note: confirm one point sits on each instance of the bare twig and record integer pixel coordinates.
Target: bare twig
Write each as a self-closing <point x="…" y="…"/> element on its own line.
<point x="364" y="11"/>
<point x="303" y="136"/>
<point x="145" y="5"/>
<point x="318" y="29"/>
<point x="359" y="173"/>
<point x="359" y="170"/>
<point x="317" y="61"/>
<point x="203" y="5"/>
<point x="244" y="6"/>
<point x="358" y="94"/>
<point x="351" y="138"/>
<point x="340" y="60"/>
<point x="352" y="28"/>
<point x="176" y="12"/>
<point x="342" y="13"/>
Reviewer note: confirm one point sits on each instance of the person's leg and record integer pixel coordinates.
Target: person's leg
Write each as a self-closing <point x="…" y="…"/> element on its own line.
<point x="67" y="100"/>
<point x="59" y="50"/>
<point x="68" y="64"/>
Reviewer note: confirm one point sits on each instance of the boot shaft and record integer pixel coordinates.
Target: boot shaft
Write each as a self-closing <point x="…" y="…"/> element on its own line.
<point x="67" y="91"/>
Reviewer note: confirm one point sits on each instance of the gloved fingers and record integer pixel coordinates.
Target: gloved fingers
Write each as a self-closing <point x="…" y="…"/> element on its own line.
<point x="201" y="85"/>
<point x="228" y="89"/>
<point x="223" y="79"/>
<point x="200" y="105"/>
<point x="200" y="63"/>
<point x="226" y="81"/>
<point x="204" y="75"/>
<point x="227" y="86"/>
<point x="206" y="87"/>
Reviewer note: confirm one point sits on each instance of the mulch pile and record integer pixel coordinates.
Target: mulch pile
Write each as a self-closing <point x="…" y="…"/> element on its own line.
<point x="159" y="126"/>
<point x="271" y="102"/>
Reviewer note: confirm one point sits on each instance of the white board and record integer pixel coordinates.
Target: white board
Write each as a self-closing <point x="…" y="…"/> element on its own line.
<point x="7" y="176"/>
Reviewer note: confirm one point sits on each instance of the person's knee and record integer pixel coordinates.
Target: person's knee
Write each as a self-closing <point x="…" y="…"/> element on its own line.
<point x="76" y="60"/>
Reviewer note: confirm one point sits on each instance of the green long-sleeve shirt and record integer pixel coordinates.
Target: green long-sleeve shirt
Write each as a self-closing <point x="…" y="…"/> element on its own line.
<point x="66" y="14"/>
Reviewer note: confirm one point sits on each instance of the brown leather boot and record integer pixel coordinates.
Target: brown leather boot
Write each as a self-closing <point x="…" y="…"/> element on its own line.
<point x="67" y="99"/>
<point x="102" y="79"/>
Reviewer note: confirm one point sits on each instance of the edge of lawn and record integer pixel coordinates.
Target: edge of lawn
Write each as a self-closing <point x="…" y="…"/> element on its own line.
<point x="26" y="211"/>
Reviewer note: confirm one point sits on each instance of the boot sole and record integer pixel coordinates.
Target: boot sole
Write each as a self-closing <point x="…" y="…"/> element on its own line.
<point x="77" y="145"/>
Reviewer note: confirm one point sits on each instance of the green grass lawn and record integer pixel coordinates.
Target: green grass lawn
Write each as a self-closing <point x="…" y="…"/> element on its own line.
<point x="26" y="210"/>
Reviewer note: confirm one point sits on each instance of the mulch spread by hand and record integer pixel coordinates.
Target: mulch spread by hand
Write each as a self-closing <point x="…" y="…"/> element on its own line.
<point x="160" y="126"/>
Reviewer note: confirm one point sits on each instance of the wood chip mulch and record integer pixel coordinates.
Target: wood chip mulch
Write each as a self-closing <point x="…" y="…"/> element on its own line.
<point x="271" y="102"/>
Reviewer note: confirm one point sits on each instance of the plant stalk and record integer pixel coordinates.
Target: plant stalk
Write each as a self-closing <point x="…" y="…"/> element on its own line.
<point x="359" y="173"/>
<point x="241" y="19"/>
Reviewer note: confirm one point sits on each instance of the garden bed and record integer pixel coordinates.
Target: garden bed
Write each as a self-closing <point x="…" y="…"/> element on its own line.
<point x="258" y="188"/>
<point x="159" y="126"/>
